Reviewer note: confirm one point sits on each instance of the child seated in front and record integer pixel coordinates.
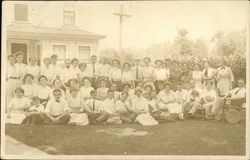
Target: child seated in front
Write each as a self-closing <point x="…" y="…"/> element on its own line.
<point x="33" y="116"/>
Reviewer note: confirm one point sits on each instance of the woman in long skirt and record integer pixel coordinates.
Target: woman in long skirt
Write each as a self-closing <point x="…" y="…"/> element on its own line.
<point x="225" y="78"/>
<point x="12" y="79"/>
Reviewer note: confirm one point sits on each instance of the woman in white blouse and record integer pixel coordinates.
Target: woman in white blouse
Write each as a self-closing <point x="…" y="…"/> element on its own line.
<point x="43" y="90"/>
<point x="21" y="67"/>
<point x="33" y="69"/>
<point x="115" y="74"/>
<point x="85" y="89"/>
<point x="197" y="76"/>
<point x="17" y="107"/>
<point x="29" y="86"/>
<point x="82" y="72"/>
<point x="127" y="74"/>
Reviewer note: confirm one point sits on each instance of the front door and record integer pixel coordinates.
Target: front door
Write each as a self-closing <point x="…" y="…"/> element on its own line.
<point x="20" y="47"/>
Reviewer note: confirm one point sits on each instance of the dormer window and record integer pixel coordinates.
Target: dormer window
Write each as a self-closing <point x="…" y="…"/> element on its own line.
<point x="69" y="16"/>
<point x="21" y="12"/>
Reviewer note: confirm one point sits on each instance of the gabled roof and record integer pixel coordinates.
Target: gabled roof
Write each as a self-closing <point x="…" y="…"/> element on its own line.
<point x="27" y="29"/>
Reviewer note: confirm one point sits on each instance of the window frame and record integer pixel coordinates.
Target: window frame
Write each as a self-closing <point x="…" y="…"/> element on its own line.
<point x="14" y="16"/>
<point x="67" y="11"/>
<point x="84" y="45"/>
<point x="61" y="44"/>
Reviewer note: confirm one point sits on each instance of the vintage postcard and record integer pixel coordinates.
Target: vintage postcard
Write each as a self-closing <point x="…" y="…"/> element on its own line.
<point x="125" y="80"/>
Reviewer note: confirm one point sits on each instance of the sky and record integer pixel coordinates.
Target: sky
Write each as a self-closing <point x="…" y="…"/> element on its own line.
<point x="157" y="21"/>
<point x="151" y="22"/>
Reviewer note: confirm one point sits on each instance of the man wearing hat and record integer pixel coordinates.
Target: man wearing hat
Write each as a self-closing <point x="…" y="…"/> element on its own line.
<point x="148" y="73"/>
<point x="93" y="68"/>
<point x="161" y="74"/>
<point x="137" y="71"/>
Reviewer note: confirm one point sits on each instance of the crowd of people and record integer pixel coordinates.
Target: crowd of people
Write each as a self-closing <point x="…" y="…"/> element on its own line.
<point x="141" y="91"/>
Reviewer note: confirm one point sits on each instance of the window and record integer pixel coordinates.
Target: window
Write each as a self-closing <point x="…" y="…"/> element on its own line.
<point x="21" y="12"/>
<point x="60" y="50"/>
<point x="84" y="52"/>
<point x="69" y="15"/>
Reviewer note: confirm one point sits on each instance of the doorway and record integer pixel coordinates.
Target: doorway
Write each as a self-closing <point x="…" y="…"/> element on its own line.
<point x="20" y="47"/>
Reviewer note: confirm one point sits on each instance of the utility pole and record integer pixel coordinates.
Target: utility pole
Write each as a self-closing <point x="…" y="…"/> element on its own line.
<point x="122" y="17"/>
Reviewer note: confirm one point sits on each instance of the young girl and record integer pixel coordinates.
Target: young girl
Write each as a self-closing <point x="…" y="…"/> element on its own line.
<point x="102" y="91"/>
<point x="77" y="117"/>
<point x="141" y="108"/>
<point x="29" y="86"/>
<point x="17" y="107"/>
<point x="43" y="91"/>
<point x="85" y="89"/>
<point x="33" y="116"/>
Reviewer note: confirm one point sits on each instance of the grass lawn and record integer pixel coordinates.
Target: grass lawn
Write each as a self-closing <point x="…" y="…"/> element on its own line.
<point x="190" y="137"/>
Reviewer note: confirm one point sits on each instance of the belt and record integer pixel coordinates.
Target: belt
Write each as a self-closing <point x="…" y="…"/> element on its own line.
<point x="13" y="78"/>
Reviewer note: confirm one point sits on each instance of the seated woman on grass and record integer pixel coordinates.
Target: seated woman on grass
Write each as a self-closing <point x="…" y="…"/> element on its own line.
<point x="102" y="91"/>
<point x="34" y="113"/>
<point x="17" y="107"/>
<point x="75" y="103"/>
<point x="141" y="109"/>
<point x="57" y="109"/>
<point x="168" y="103"/>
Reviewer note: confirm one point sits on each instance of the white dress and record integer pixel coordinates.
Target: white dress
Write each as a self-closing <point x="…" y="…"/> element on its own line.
<point x="29" y="90"/>
<point x="35" y="71"/>
<point x="197" y="77"/>
<point x="224" y="77"/>
<point x="75" y="111"/>
<point x="11" y="84"/>
<point x="173" y="107"/>
<point x="145" y="119"/>
<point x="85" y="92"/>
<point x="17" y="113"/>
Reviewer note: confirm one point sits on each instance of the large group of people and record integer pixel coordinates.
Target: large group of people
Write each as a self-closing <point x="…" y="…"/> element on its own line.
<point x="141" y="91"/>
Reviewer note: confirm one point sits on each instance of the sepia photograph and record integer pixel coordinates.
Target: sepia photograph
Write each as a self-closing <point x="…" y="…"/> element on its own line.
<point x="125" y="80"/>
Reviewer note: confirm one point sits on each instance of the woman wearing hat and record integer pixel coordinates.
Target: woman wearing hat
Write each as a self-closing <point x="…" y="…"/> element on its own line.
<point x="127" y="75"/>
<point x="197" y="76"/>
<point x="148" y="74"/>
<point x="225" y="78"/>
<point x="141" y="109"/>
<point x="115" y="74"/>
<point x="102" y="90"/>
<point x="168" y="103"/>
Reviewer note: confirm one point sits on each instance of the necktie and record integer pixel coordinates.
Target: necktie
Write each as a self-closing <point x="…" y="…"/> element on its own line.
<point x="136" y="72"/>
<point x="93" y="69"/>
<point x="237" y="91"/>
<point x="206" y="73"/>
<point x="93" y="107"/>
